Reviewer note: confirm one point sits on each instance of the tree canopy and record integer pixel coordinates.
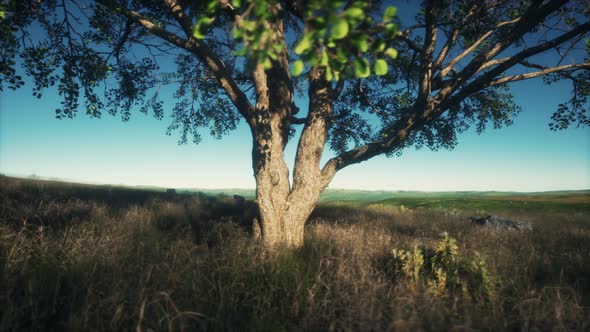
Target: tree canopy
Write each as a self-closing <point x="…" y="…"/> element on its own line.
<point x="104" y="56"/>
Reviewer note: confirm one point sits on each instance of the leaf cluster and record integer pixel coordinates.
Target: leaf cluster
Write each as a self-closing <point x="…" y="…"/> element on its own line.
<point x="345" y="39"/>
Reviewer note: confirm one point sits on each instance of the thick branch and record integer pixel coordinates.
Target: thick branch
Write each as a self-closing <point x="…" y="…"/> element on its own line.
<point x="314" y="134"/>
<point x="492" y="63"/>
<point x="429" y="44"/>
<point x="178" y="13"/>
<point x="371" y="149"/>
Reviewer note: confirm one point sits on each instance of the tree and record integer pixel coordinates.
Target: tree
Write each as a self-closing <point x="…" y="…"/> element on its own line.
<point x="246" y="60"/>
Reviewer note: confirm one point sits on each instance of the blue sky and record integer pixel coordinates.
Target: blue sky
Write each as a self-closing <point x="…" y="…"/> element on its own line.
<point x="526" y="156"/>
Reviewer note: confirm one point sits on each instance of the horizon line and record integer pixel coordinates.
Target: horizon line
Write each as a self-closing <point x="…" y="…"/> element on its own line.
<point x="142" y="186"/>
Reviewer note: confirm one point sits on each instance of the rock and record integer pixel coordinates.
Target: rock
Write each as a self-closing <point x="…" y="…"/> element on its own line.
<point x="501" y="223"/>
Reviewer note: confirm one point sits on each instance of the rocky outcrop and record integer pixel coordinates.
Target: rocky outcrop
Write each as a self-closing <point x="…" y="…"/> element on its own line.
<point x="501" y="223"/>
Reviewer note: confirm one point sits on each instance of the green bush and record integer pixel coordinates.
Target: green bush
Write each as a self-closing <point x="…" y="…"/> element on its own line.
<point x="444" y="272"/>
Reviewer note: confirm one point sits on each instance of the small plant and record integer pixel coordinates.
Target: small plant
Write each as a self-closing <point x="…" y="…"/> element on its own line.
<point x="412" y="263"/>
<point x="443" y="271"/>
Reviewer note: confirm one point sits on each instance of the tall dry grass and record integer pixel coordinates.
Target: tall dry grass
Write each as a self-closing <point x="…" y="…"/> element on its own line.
<point x="140" y="266"/>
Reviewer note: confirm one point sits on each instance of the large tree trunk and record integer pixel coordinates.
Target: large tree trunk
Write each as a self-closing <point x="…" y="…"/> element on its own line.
<point x="284" y="210"/>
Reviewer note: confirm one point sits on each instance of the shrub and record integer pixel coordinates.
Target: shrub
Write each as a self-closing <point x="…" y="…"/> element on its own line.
<point x="444" y="272"/>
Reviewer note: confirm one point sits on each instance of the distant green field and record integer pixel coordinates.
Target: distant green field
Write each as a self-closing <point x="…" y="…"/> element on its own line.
<point x="526" y="204"/>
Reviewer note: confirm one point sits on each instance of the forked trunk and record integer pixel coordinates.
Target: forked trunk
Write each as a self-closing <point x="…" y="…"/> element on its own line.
<point x="284" y="209"/>
<point x="283" y="218"/>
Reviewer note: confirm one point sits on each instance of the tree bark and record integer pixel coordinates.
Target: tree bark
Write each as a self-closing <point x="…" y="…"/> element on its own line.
<point x="270" y="132"/>
<point x="284" y="210"/>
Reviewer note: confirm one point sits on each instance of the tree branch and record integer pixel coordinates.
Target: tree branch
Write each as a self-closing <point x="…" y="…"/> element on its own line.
<point x="338" y="89"/>
<point x="315" y="132"/>
<point x="178" y="13"/>
<point x="521" y="77"/>
<point x="492" y="63"/>
<point x="470" y="49"/>
<point x="453" y="37"/>
<point x="371" y="149"/>
<point x="364" y="98"/>
<point x="483" y="81"/>
<point x="298" y="121"/>
<point x="403" y="36"/>
<point x="205" y="54"/>
<point x="534" y="15"/>
<point x="425" y="87"/>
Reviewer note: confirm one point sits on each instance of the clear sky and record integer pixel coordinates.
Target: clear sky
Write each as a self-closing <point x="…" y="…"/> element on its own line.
<point x="526" y="156"/>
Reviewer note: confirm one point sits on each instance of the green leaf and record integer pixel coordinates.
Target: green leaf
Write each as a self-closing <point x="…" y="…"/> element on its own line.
<point x="341" y="56"/>
<point x="249" y="25"/>
<point x="362" y="44"/>
<point x="317" y="23"/>
<point x="304" y="44"/>
<point x="277" y="47"/>
<point x="355" y="14"/>
<point x="391" y="52"/>
<point x="378" y="45"/>
<point x="329" y="75"/>
<point x="391" y="30"/>
<point x="200" y="29"/>
<point x="212" y="6"/>
<point x="324" y="61"/>
<point x="381" y="67"/>
<point x="390" y="13"/>
<point x="297" y="68"/>
<point x="238" y="34"/>
<point x="340" y="29"/>
<point x="237" y="3"/>
<point x="361" y="68"/>
<point x="267" y="63"/>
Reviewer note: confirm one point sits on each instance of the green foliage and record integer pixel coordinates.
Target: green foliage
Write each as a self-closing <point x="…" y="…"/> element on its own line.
<point x="203" y="24"/>
<point x="410" y="263"/>
<point x="390" y="13"/>
<point x="298" y="67"/>
<point x="444" y="272"/>
<point x="381" y="67"/>
<point x="336" y="38"/>
<point x="482" y="203"/>
<point x="255" y="31"/>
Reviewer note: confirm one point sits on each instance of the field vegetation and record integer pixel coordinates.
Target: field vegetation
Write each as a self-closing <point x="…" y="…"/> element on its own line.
<point x="75" y="257"/>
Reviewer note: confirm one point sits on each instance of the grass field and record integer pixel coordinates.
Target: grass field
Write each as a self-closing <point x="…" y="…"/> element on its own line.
<point x="100" y="258"/>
